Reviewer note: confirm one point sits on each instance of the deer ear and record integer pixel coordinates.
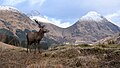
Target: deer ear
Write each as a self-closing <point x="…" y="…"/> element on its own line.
<point x="43" y="26"/>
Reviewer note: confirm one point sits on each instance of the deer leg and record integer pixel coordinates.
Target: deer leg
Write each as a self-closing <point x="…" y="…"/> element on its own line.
<point x="30" y="48"/>
<point x="38" y="47"/>
<point x="35" y="48"/>
<point x="27" y="47"/>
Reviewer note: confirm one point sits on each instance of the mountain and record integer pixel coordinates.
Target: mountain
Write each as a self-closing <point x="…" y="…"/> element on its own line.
<point x="87" y="30"/>
<point x="56" y="33"/>
<point x="14" y="25"/>
<point x="13" y="28"/>
<point x="12" y="19"/>
<point x="90" y="28"/>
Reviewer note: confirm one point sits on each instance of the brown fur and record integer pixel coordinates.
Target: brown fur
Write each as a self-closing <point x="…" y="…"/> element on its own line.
<point x="35" y="37"/>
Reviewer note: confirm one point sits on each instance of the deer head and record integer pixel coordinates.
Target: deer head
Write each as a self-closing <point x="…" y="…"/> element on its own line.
<point x="43" y="29"/>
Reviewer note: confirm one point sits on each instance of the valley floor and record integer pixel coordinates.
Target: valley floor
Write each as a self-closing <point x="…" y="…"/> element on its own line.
<point x="77" y="56"/>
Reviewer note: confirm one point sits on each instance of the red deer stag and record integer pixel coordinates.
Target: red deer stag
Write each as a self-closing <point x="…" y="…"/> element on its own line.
<point x="35" y="37"/>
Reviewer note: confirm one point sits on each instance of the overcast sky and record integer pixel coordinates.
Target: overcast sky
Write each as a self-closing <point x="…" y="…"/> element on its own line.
<point x="66" y="12"/>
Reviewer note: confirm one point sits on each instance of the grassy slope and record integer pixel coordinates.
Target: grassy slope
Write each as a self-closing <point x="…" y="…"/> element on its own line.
<point x="79" y="56"/>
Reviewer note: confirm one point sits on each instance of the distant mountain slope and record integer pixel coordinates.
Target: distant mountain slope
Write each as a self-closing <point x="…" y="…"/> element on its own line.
<point x="113" y="39"/>
<point x="56" y="33"/>
<point x="15" y="22"/>
<point x="88" y="29"/>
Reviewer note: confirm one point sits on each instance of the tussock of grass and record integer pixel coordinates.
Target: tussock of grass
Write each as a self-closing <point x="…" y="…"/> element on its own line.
<point x="74" y="56"/>
<point x="84" y="45"/>
<point x="108" y="45"/>
<point x="102" y="45"/>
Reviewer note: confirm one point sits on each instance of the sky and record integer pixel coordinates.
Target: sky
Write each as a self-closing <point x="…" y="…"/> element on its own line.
<point x="64" y="13"/>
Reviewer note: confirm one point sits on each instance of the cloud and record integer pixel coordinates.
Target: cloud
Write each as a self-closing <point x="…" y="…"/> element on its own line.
<point x="59" y="22"/>
<point x="16" y="2"/>
<point x="12" y="2"/>
<point x="36" y="2"/>
<point x="114" y="17"/>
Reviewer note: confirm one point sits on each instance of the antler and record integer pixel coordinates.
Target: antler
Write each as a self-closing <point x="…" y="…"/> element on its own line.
<point x="37" y="23"/>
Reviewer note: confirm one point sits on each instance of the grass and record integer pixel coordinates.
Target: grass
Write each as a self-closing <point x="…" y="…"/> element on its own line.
<point x="84" y="45"/>
<point x="78" y="56"/>
<point x="108" y="45"/>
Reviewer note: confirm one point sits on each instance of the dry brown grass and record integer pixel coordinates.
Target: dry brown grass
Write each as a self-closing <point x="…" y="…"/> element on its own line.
<point x="63" y="57"/>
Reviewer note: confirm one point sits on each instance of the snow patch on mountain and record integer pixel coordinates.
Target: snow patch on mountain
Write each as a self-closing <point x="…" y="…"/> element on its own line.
<point x="9" y="8"/>
<point x="57" y="22"/>
<point x="92" y="15"/>
<point x="40" y="19"/>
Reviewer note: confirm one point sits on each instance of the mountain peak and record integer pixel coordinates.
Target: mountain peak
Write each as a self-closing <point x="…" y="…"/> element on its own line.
<point x="92" y="15"/>
<point x="9" y="8"/>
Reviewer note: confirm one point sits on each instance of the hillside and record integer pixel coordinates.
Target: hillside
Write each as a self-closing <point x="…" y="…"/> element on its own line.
<point x="4" y="46"/>
<point x="15" y="24"/>
<point x="77" y="56"/>
<point x="91" y="28"/>
<point x="87" y="30"/>
<point x="12" y="19"/>
<point x="113" y="39"/>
